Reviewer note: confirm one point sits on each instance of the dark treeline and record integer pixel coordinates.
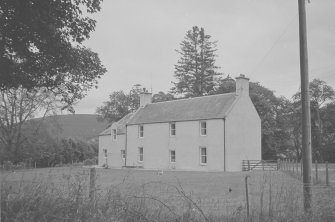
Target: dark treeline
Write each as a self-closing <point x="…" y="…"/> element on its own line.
<point x="43" y="147"/>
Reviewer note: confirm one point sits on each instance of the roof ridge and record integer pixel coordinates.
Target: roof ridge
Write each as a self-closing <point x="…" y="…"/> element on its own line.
<point x="191" y="98"/>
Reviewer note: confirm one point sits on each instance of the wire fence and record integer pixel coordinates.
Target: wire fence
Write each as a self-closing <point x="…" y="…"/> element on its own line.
<point x="322" y="173"/>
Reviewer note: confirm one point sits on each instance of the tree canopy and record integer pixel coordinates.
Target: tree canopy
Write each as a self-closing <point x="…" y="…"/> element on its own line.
<point x="196" y="71"/>
<point x="41" y="45"/>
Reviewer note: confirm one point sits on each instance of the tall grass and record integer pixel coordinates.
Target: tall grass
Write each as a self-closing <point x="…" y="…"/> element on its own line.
<point x="274" y="197"/>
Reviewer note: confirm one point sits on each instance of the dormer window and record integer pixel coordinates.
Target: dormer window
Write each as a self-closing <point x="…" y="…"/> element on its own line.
<point x="203" y="128"/>
<point x="114" y="134"/>
<point x="172" y="129"/>
<point x="140" y="131"/>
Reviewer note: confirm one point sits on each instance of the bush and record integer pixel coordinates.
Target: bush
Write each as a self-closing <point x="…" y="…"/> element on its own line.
<point x="89" y="162"/>
<point x="105" y="166"/>
<point x="8" y="165"/>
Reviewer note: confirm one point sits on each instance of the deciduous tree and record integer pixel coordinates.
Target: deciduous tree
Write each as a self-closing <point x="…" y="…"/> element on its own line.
<point x="17" y="106"/>
<point x="41" y="46"/>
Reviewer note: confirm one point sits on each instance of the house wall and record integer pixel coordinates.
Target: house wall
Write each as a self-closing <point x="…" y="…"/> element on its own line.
<point x="157" y="142"/>
<point x="114" y="147"/>
<point x="104" y="143"/>
<point x="243" y="134"/>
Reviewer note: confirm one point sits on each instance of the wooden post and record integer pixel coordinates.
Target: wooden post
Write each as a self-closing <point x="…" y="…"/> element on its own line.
<point x="293" y="165"/>
<point x="316" y="172"/>
<point x="35" y="164"/>
<point x="248" y="165"/>
<point x="263" y="164"/>
<point x="247" y="195"/>
<point x="278" y="164"/>
<point x="92" y="183"/>
<point x="327" y="176"/>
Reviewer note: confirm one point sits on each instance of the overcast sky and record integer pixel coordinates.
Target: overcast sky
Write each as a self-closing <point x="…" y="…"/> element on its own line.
<point x="136" y="41"/>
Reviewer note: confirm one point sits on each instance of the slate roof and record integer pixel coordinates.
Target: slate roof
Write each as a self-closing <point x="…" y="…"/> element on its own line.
<point x="106" y="132"/>
<point x="119" y="125"/>
<point x="198" y="108"/>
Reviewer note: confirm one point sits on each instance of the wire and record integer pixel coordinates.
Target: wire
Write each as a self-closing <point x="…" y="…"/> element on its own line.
<point x="275" y="43"/>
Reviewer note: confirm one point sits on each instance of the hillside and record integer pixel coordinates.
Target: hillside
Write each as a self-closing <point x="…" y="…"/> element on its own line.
<point x="77" y="125"/>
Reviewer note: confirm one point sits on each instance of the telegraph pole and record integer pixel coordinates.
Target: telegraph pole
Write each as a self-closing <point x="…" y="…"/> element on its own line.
<point x="306" y="111"/>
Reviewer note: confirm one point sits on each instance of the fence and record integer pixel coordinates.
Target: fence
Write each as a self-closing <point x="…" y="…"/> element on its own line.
<point x="321" y="172"/>
<point x="248" y="165"/>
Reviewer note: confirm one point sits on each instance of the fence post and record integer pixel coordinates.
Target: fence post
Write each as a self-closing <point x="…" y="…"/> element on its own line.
<point x="247" y="195"/>
<point x="263" y="164"/>
<point x="284" y="163"/>
<point x="278" y="164"/>
<point x="293" y="165"/>
<point x="316" y="172"/>
<point x="297" y="166"/>
<point x="92" y="183"/>
<point x="248" y="165"/>
<point x="301" y="168"/>
<point x="327" y="176"/>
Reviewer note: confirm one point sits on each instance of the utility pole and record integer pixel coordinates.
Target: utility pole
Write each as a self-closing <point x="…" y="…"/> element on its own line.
<point x="306" y="112"/>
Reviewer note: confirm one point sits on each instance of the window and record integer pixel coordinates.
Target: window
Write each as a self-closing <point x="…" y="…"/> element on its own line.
<point x="172" y="129"/>
<point x="172" y="156"/>
<point x="203" y="128"/>
<point x="140" y="154"/>
<point x="114" y="134"/>
<point x="105" y="152"/>
<point x="203" y="155"/>
<point x="123" y="154"/>
<point x="140" y="131"/>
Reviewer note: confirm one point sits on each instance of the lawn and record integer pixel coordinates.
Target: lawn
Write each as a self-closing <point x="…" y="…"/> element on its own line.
<point x="219" y="193"/>
<point x="215" y="190"/>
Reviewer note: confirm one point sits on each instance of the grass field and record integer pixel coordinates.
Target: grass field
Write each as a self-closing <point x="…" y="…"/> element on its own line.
<point x="214" y="193"/>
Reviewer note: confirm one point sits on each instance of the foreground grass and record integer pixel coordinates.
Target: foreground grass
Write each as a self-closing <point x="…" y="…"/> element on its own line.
<point x="138" y="195"/>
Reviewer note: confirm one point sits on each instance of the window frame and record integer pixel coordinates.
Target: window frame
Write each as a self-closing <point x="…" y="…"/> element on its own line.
<point x="201" y="128"/>
<point x="123" y="154"/>
<point x="114" y="134"/>
<point x="140" y="154"/>
<point x="173" y="130"/>
<point x="105" y="153"/>
<point x="170" y="156"/>
<point x="141" y="131"/>
<point x="201" y="155"/>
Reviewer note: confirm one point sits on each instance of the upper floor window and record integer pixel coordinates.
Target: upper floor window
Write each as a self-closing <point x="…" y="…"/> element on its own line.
<point x="114" y="134"/>
<point x="140" y="154"/>
<point x="203" y="155"/>
<point x="172" y="129"/>
<point x="203" y="128"/>
<point x="140" y="131"/>
<point x="172" y="156"/>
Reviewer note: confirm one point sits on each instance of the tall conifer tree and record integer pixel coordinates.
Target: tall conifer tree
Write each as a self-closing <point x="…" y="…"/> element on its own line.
<point x="196" y="71"/>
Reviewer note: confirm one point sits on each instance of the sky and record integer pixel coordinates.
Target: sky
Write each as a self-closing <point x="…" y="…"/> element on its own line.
<point x="136" y="42"/>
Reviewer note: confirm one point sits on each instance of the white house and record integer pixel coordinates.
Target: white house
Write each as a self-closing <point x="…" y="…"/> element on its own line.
<point x="204" y="133"/>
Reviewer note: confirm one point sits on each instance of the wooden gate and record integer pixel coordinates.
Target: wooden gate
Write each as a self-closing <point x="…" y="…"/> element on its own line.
<point x="248" y="165"/>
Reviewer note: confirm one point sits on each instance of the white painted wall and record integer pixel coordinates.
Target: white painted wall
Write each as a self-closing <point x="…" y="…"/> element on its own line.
<point x="114" y="147"/>
<point x="104" y="143"/>
<point x="157" y="142"/>
<point x="243" y="134"/>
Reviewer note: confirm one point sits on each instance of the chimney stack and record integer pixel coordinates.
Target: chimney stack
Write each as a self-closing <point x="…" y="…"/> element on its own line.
<point x="242" y="85"/>
<point x="145" y="98"/>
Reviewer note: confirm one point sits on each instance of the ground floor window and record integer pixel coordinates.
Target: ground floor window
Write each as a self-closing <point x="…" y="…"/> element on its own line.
<point x="105" y="152"/>
<point x="123" y="154"/>
<point x="203" y="155"/>
<point x="172" y="156"/>
<point x="140" y="154"/>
